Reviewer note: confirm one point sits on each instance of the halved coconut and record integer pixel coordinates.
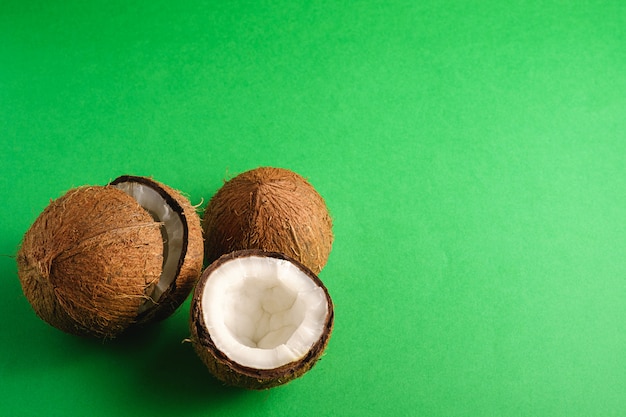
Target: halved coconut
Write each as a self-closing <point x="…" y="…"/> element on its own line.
<point x="260" y="319"/>
<point x="97" y="260"/>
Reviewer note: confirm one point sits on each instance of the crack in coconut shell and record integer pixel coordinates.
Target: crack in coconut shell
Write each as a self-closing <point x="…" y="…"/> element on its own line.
<point x="228" y="370"/>
<point x="272" y="209"/>
<point x="189" y="263"/>
<point x="92" y="258"/>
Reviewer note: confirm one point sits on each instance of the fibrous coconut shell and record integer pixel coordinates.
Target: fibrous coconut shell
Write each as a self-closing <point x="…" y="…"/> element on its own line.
<point x="91" y="259"/>
<point x="272" y="209"/>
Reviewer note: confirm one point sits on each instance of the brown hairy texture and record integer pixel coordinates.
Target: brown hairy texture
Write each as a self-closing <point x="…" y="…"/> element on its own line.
<point x="89" y="261"/>
<point x="272" y="209"/>
<point x="232" y="373"/>
<point x="190" y="263"/>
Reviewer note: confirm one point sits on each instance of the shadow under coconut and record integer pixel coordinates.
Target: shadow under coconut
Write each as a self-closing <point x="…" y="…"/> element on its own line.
<point x="175" y="369"/>
<point x="152" y="362"/>
<point x="160" y="364"/>
<point x="28" y="345"/>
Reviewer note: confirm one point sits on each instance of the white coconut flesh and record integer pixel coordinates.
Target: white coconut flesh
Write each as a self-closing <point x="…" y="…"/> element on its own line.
<point x="263" y="312"/>
<point x="172" y="229"/>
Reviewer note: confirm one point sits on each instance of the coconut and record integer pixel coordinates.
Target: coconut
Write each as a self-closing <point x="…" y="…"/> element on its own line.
<point x="101" y="259"/>
<point x="259" y="319"/>
<point x="182" y="244"/>
<point x="272" y="209"/>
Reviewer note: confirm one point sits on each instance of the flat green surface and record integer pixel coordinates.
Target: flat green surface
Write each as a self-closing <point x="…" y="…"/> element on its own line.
<point x="473" y="156"/>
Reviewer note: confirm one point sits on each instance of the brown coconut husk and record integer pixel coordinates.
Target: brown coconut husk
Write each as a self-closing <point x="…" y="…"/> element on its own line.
<point x="232" y="373"/>
<point x="272" y="209"/>
<point x="89" y="261"/>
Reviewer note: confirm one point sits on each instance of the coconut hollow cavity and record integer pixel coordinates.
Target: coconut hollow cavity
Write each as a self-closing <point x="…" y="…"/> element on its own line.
<point x="260" y="319"/>
<point x="99" y="260"/>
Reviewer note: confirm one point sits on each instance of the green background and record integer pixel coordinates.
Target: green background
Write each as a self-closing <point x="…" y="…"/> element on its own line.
<point x="472" y="153"/>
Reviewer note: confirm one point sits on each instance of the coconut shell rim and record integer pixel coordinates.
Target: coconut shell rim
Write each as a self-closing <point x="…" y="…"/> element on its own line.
<point x="178" y="209"/>
<point x="266" y="378"/>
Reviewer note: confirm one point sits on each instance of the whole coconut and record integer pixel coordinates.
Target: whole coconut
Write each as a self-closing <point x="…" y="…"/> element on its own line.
<point x="271" y="209"/>
<point x="93" y="262"/>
